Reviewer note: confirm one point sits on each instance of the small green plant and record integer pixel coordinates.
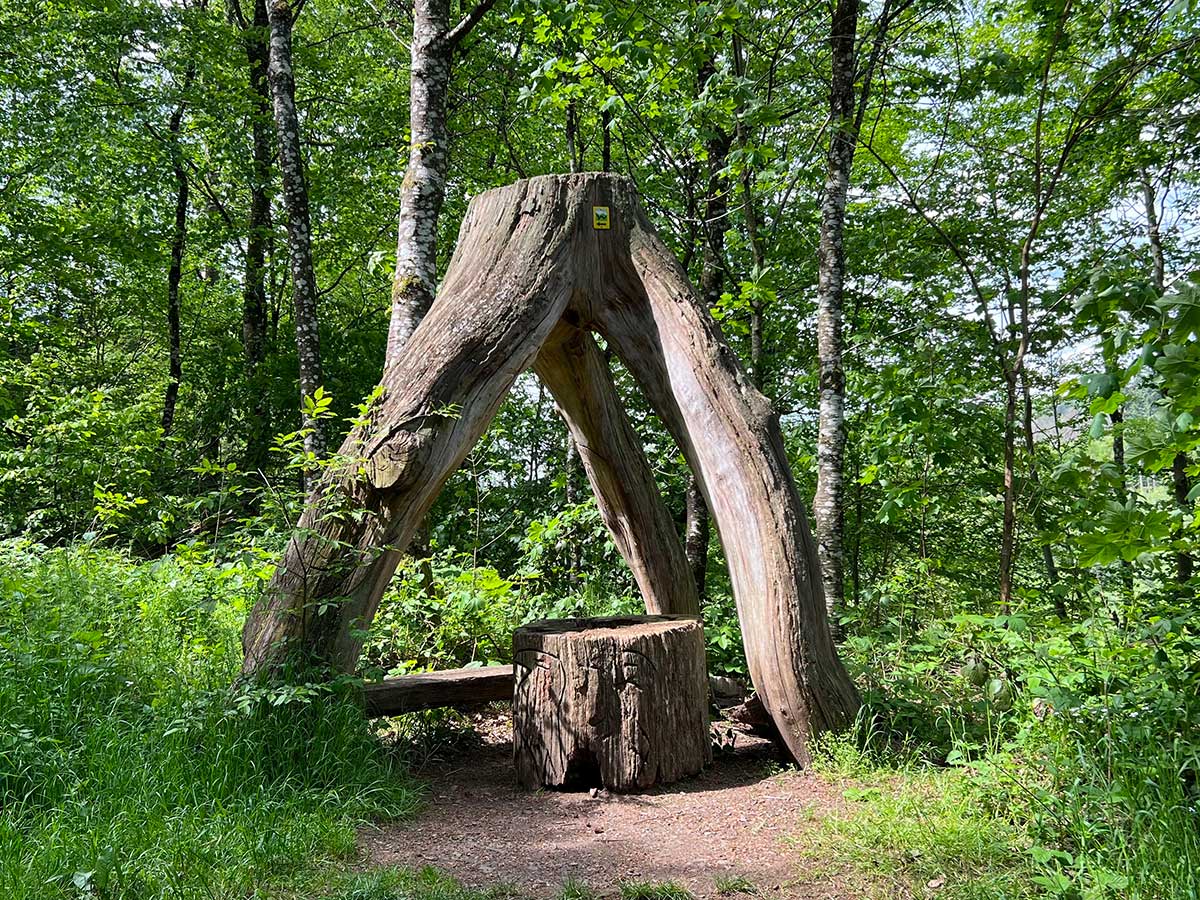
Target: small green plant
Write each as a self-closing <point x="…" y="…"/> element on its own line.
<point x="654" y="890"/>
<point x="574" y="889"/>
<point x="728" y="885"/>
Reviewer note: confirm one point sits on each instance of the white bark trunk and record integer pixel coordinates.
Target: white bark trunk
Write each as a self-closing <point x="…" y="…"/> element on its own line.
<point x="424" y="186"/>
<point x="295" y="201"/>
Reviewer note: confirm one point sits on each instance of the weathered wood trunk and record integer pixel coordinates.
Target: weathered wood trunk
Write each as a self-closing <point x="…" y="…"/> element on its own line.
<point x="619" y="702"/>
<point x="529" y="257"/>
<point x="641" y="526"/>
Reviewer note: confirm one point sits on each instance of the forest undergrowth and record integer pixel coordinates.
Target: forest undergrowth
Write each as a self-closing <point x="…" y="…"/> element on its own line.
<point x="997" y="756"/>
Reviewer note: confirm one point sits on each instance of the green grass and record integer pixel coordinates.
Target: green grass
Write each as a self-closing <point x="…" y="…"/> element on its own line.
<point x="1045" y="823"/>
<point x="728" y="885"/>
<point x="909" y="829"/>
<point x="129" y="769"/>
<point x="574" y="889"/>
<point x="654" y="890"/>
<point x="406" y="884"/>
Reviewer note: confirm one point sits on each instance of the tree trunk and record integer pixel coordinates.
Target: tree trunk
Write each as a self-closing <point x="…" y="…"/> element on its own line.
<point x="1008" y="532"/>
<point x="829" y="501"/>
<point x="295" y="201"/>
<point x="254" y="292"/>
<point x="1184" y="565"/>
<point x="621" y="703"/>
<point x="1039" y="517"/>
<point x="1183" y="561"/>
<point x="175" y="271"/>
<point x="574" y="369"/>
<point x="424" y="186"/>
<point x="527" y="256"/>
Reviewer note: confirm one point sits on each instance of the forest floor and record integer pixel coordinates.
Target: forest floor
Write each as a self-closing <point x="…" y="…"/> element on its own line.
<point x="732" y="829"/>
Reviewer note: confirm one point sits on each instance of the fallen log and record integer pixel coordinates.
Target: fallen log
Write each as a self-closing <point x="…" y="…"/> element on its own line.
<point x="430" y="690"/>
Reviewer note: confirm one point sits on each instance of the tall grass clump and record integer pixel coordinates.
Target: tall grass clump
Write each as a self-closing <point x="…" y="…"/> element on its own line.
<point x="130" y="768"/>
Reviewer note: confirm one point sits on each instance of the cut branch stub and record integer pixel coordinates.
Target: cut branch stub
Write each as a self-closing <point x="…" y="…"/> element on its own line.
<point x="619" y="702"/>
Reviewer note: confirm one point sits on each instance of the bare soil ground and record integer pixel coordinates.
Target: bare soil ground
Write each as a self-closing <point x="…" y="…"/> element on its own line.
<point x="729" y="822"/>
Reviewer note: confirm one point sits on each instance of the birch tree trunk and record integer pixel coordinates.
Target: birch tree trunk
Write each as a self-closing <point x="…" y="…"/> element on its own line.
<point x="424" y="186"/>
<point x="256" y="37"/>
<point x="295" y="201"/>
<point x="175" y="270"/>
<point x="528" y="258"/>
<point x="829" y="501"/>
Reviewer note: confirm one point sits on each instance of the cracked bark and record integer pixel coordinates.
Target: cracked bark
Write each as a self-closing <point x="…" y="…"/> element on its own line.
<point x="295" y="201"/>
<point x="621" y="703"/>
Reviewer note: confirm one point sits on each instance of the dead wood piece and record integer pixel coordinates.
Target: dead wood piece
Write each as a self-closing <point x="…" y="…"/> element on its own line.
<point x="540" y="264"/>
<point x="430" y="690"/>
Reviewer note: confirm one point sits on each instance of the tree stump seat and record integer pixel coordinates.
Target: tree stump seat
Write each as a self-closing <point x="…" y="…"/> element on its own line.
<point x="618" y="702"/>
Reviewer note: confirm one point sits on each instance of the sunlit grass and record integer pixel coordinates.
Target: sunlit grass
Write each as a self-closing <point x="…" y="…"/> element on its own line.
<point x="125" y="769"/>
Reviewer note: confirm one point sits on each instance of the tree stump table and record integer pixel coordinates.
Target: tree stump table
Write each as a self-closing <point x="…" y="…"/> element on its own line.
<point x="618" y="702"/>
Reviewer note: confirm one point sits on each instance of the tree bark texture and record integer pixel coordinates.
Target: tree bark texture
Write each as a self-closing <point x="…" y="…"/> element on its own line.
<point x="829" y="501"/>
<point x="175" y="270"/>
<point x="575" y="371"/>
<point x="528" y="257"/>
<point x="256" y="37"/>
<point x="295" y="201"/>
<point x="621" y="703"/>
<point x="424" y="188"/>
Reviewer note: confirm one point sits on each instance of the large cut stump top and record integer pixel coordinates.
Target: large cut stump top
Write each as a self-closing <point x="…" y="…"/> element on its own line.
<point x="619" y="702"/>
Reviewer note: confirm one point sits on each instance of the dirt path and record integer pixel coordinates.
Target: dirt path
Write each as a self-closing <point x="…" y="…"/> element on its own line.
<point x="729" y="822"/>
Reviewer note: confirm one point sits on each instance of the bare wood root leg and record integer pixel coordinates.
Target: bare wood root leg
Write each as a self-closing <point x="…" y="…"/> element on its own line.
<point x="572" y="366"/>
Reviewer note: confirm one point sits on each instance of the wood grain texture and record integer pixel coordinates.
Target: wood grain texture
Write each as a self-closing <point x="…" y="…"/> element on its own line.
<point x="641" y="526"/>
<point x="430" y="690"/>
<point x="619" y="702"/>
<point x="651" y="315"/>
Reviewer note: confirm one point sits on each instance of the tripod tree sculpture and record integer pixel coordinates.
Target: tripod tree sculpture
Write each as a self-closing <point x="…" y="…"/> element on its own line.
<point x="539" y="266"/>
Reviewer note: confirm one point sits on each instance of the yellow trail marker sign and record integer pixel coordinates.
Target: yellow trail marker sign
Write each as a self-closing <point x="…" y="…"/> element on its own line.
<point x="600" y="218"/>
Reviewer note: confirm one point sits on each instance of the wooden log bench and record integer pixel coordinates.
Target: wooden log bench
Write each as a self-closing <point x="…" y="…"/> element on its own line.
<point x="429" y="690"/>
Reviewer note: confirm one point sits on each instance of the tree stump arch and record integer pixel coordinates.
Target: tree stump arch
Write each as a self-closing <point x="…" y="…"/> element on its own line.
<point x="539" y="266"/>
